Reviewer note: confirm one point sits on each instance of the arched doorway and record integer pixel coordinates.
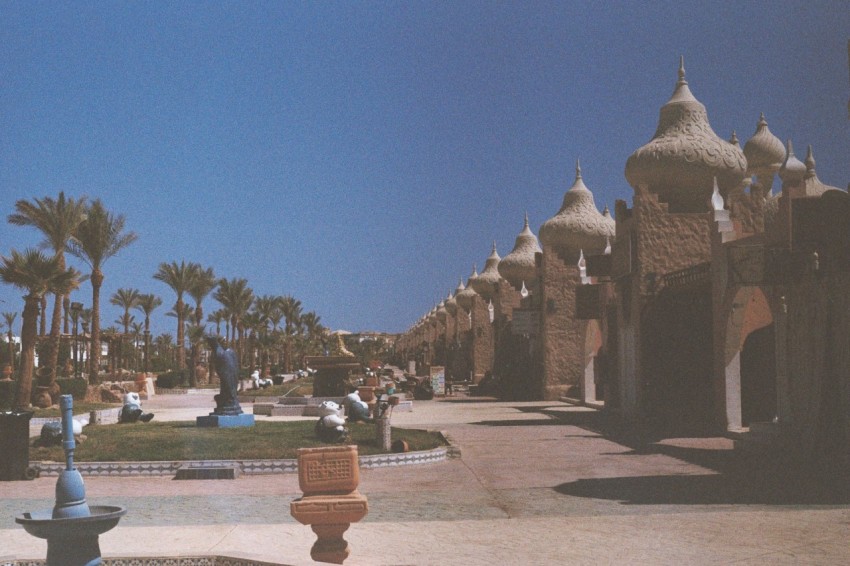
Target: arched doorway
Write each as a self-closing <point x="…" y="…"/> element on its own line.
<point x="750" y="360"/>
<point x="591" y="389"/>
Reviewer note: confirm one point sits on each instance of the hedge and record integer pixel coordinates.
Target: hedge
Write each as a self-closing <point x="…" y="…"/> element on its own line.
<point x="172" y="379"/>
<point x="75" y="386"/>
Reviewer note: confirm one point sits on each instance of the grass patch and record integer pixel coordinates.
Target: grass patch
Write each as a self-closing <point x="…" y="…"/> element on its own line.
<point x="80" y="408"/>
<point x="183" y="440"/>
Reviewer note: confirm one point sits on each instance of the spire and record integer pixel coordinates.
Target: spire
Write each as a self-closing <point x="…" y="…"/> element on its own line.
<point x="810" y="163"/>
<point x="734" y="139"/>
<point x="578" y="170"/>
<point x="682" y="80"/>
<point x="682" y="93"/>
<point x="525" y="226"/>
<point x="716" y="198"/>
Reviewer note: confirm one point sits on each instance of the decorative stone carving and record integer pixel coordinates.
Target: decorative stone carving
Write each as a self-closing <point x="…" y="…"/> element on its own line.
<point x="520" y="265"/>
<point x="685" y="154"/>
<point x="329" y="478"/>
<point x="578" y="225"/>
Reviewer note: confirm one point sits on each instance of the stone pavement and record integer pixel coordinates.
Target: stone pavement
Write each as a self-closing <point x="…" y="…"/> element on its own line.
<point x="538" y="483"/>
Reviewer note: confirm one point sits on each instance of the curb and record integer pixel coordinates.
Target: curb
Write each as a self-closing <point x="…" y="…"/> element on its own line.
<point x="284" y="466"/>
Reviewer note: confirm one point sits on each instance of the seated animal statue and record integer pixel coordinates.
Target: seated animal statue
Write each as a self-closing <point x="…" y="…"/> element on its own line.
<point x="51" y="433"/>
<point x="259" y="382"/>
<point x="355" y="408"/>
<point x="132" y="410"/>
<point x="330" y="427"/>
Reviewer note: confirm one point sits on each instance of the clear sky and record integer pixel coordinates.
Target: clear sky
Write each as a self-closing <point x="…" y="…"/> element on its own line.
<point x="360" y="156"/>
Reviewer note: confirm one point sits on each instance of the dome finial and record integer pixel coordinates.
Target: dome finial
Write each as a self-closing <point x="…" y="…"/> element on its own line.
<point x="578" y="170"/>
<point x="716" y="198"/>
<point x="734" y="139"/>
<point x="682" y="80"/>
<point x="494" y="247"/>
<point x="762" y="121"/>
<point x="810" y="163"/>
<point x="526" y="220"/>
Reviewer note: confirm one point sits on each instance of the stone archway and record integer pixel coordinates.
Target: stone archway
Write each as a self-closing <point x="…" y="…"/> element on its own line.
<point x="749" y="360"/>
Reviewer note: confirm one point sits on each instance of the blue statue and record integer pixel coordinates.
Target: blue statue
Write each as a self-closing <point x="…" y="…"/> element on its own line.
<point x="227" y="367"/>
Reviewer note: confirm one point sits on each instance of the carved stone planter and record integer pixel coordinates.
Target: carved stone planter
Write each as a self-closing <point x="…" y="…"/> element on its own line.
<point x="329" y="476"/>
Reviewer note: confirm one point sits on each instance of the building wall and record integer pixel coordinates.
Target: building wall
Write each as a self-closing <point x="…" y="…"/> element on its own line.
<point x="482" y="340"/>
<point x="562" y="334"/>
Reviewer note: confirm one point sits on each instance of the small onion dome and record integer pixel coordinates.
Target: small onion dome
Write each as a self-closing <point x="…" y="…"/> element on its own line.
<point x="793" y="171"/>
<point x="814" y="186"/>
<point x="465" y="296"/>
<point x="442" y="312"/>
<point x="451" y="304"/>
<point x="520" y="266"/>
<point x="734" y="140"/>
<point x="680" y="162"/>
<point x="487" y="283"/>
<point x="764" y="151"/>
<point x="578" y="225"/>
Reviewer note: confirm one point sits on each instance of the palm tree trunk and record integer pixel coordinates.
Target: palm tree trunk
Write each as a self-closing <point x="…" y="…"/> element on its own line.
<point x="181" y="348"/>
<point x="94" y="357"/>
<point x="11" y="349"/>
<point x="53" y="349"/>
<point x="43" y="329"/>
<point x="29" y="334"/>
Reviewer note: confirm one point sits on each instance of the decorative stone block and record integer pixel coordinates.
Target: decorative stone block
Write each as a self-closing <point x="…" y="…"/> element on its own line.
<point x="330" y="509"/>
<point x="225" y="421"/>
<point x="328" y="470"/>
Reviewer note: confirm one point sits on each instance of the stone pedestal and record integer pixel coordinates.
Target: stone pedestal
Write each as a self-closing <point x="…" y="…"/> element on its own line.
<point x="383" y="433"/>
<point x="225" y="421"/>
<point x="329" y="478"/>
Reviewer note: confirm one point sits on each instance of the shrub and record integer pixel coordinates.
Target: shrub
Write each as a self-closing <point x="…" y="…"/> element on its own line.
<point x="172" y="379"/>
<point x="75" y="386"/>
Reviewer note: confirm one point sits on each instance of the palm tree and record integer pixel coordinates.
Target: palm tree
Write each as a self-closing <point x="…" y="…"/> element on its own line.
<point x="137" y="328"/>
<point x="195" y="333"/>
<point x="126" y="299"/>
<point x="99" y="237"/>
<point x="180" y="277"/>
<point x="110" y="335"/>
<point x="37" y="274"/>
<point x="9" y="319"/>
<point x="56" y="219"/>
<point x="164" y="344"/>
<point x="147" y="304"/>
<point x="236" y="297"/>
<point x="203" y="282"/>
<point x="291" y="308"/>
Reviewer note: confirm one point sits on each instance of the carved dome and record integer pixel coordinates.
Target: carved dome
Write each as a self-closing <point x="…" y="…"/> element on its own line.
<point x="467" y="295"/>
<point x="793" y="171"/>
<point x="578" y="225"/>
<point x="451" y="302"/>
<point x="764" y="151"/>
<point x="487" y="283"/>
<point x="680" y="162"/>
<point x="442" y="312"/>
<point x="520" y="265"/>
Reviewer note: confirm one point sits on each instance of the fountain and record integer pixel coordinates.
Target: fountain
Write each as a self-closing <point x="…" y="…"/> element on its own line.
<point x="72" y="527"/>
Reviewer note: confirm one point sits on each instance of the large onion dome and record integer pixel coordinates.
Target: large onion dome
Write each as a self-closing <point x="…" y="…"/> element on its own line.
<point x="451" y="301"/>
<point x="467" y="295"/>
<point x="764" y="151"/>
<point x="578" y="225"/>
<point x="684" y="156"/>
<point x="488" y="282"/>
<point x="519" y="266"/>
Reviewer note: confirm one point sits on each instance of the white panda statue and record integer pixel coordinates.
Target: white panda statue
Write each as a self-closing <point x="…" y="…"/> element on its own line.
<point x="331" y="426"/>
<point x="132" y="409"/>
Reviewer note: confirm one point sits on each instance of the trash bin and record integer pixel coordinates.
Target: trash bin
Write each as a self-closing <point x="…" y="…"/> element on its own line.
<point x="15" y="445"/>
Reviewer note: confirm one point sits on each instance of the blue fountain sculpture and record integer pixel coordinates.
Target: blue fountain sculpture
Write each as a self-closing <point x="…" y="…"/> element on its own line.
<point x="72" y="527"/>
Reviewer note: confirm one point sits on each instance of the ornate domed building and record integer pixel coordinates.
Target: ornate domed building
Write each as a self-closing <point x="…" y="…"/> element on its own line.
<point x="576" y="231"/>
<point x="519" y="267"/>
<point x="684" y="156"/>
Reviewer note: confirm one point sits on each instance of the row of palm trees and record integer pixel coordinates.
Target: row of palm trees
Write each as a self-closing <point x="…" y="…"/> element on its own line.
<point x="91" y="233"/>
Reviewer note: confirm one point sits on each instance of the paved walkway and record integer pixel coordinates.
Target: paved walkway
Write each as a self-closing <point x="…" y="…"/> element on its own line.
<point x="538" y="483"/>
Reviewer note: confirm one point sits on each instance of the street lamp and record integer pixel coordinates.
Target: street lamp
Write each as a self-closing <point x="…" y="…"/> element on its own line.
<point x="76" y="308"/>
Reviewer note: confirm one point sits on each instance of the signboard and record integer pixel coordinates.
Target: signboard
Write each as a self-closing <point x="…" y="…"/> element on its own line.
<point x="438" y="380"/>
<point x="525" y="322"/>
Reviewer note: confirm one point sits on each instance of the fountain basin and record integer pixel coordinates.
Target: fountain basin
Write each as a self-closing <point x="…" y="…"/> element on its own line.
<point x="40" y="524"/>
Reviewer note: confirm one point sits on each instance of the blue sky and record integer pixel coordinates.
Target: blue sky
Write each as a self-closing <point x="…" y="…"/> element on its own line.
<point x="361" y="156"/>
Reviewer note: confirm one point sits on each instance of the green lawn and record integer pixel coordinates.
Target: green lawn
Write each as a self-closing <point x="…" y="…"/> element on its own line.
<point x="290" y="389"/>
<point x="185" y="441"/>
